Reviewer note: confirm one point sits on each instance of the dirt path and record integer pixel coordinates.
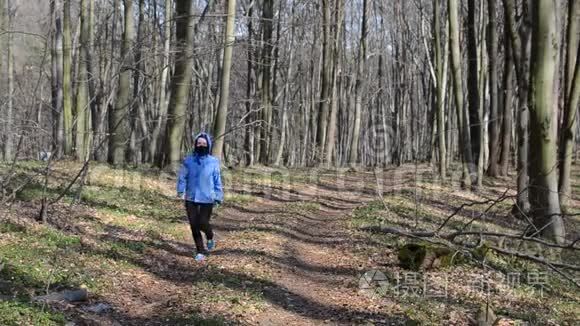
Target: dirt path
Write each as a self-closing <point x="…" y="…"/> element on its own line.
<point x="309" y="255"/>
<point x="292" y="248"/>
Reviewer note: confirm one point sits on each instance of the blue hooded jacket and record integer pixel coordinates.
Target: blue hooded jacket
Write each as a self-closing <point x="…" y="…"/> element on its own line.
<point x="200" y="177"/>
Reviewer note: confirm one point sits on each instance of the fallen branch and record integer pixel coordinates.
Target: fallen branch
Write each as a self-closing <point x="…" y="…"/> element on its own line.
<point x="534" y="258"/>
<point x="416" y="234"/>
<point x="454" y="235"/>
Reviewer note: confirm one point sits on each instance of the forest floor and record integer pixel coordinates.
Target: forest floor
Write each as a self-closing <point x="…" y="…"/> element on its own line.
<point x="291" y="250"/>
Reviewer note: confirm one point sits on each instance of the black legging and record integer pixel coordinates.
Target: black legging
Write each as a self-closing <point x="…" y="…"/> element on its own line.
<point x="199" y="215"/>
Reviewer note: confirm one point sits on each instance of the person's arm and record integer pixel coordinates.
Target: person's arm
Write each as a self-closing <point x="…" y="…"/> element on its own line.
<point x="217" y="184"/>
<point x="182" y="180"/>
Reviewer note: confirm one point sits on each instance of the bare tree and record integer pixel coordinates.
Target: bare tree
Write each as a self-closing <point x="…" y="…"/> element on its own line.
<point x="441" y="80"/>
<point x="520" y="43"/>
<point x="67" y="80"/>
<point x="180" y="85"/>
<point x="250" y="89"/>
<point x="266" y="86"/>
<point x="82" y="110"/>
<point x="326" y="82"/>
<point x="571" y="96"/>
<point x="506" y="130"/>
<point x="543" y="107"/>
<point x="359" y="86"/>
<point x="118" y="118"/>
<point x="162" y="87"/>
<point x="287" y="84"/>
<point x="138" y="125"/>
<point x="9" y="130"/>
<point x="336" y="71"/>
<point x="56" y="78"/>
<point x="494" y="120"/>
<point x="220" y="120"/>
<point x="464" y="140"/>
<point x="472" y="81"/>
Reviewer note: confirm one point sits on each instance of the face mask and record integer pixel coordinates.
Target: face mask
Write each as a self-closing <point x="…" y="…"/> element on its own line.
<point x="201" y="150"/>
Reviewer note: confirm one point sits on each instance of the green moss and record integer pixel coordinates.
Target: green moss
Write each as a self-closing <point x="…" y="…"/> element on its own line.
<point x="415" y="256"/>
<point x="411" y="256"/>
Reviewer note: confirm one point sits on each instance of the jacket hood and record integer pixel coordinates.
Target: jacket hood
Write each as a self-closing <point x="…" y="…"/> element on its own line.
<point x="207" y="138"/>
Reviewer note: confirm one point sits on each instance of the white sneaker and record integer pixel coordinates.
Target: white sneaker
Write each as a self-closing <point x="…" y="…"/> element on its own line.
<point x="200" y="258"/>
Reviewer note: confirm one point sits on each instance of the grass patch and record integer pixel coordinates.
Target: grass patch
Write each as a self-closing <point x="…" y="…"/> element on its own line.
<point x="368" y="214"/>
<point x="35" y="258"/>
<point x="32" y="267"/>
<point x="123" y="201"/>
<point x="39" y="257"/>
<point x="238" y="199"/>
<point x="23" y="313"/>
<point x="123" y="249"/>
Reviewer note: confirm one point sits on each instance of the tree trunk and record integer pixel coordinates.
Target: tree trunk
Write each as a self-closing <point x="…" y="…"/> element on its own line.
<point x="519" y="40"/>
<point x="93" y="122"/>
<point x="82" y="111"/>
<point x="56" y="79"/>
<point x="8" y="149"/>
<point x="572" y="92"/>
<point x="386" y="130"/>
<point x="138" y="120"/>
<point x="220" y="121"/>
<point x="286" y="101"/>
<point x="67" y="80"/>
<point x="250" y="92"/>
<point x="472" y="82"/>
<point x="118" y="118"/>
<point x="543" y="122"/>
<point x="482" y="88"/>
<point x="326" y="81"/>
<point x="464" y="139"/>
<point x="162" y="108"/>
<point x="180" y="85"/>
<point x="507" y="106"/>
<point x="3" y="11"/>
<point x="493" y="90"/>
<point x="336" y="72"/>
<point x="266" y="87"/>
<point x="440" y="90"/>
<point x="361" y="60"/>
<point x="275" y="93"/>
